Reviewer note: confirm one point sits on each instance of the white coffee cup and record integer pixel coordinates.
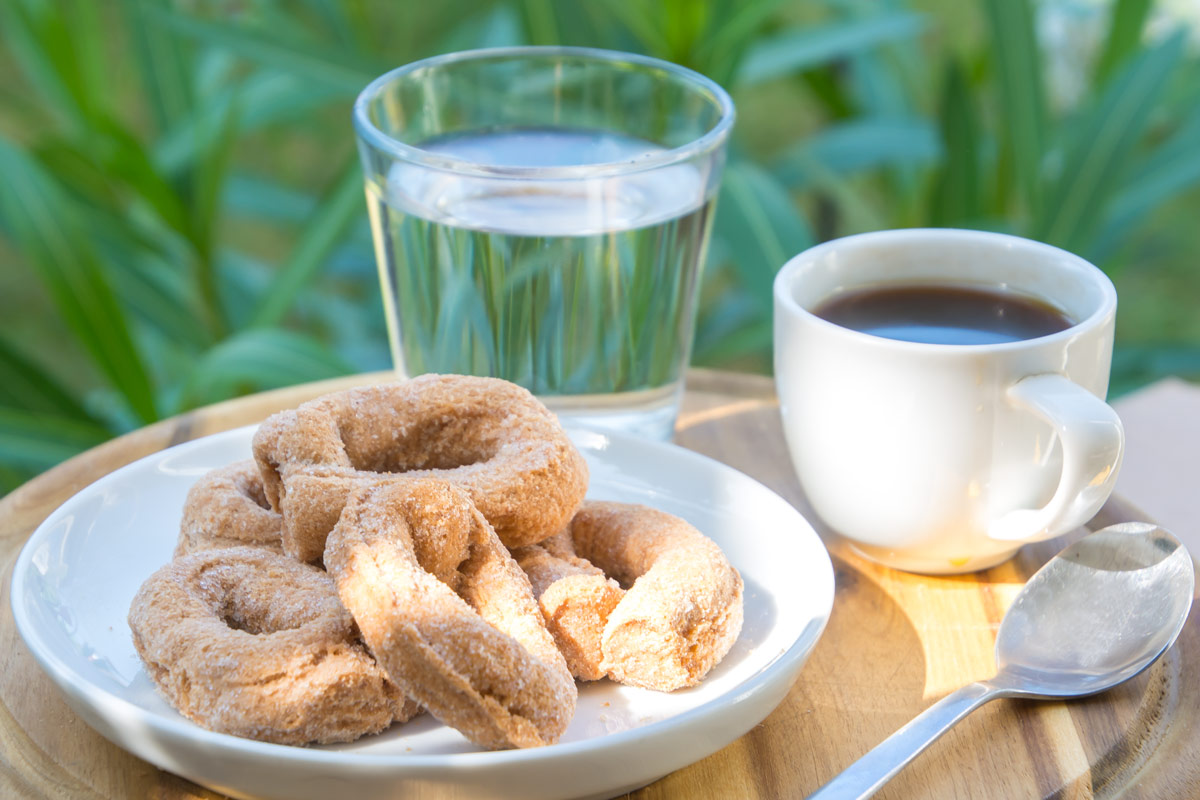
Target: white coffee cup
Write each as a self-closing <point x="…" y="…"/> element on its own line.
<point x="943" y="458"/>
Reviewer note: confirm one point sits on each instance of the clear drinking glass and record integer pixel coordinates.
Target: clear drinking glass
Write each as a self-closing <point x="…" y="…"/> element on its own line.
<point x="541" y="215"/>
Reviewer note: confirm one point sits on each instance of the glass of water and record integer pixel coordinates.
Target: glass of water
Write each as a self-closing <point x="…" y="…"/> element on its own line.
<point x="541" y="215"/>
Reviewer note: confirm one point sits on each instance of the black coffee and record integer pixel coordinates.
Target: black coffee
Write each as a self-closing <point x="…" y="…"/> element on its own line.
<point x="939" y="314"/>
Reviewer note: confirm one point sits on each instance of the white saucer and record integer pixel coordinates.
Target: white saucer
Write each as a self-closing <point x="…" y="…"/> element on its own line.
<point x="75" y="578"/>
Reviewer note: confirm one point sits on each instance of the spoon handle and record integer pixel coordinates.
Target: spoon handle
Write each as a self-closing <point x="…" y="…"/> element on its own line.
<point x="864" y="777"/>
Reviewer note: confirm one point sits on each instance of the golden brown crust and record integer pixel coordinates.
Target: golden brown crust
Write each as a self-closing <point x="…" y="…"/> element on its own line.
<point x="682" y="610"/>
<point x="576" y="599"/>
<point x="227" y="507"/>
<point x="491" y="438"/>
<point x="255" y="644"/>
<point x="479" y="657"/>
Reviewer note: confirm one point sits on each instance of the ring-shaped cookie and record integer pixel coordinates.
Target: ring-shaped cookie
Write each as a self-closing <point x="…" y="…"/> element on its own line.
<point x="576" y="599"/>
<point x="681" y="609"/>
<point x="228" y="507"/>
<point x="255" y="644"/>
<point x="489" y="437"/>
<point x="468" y="643"/>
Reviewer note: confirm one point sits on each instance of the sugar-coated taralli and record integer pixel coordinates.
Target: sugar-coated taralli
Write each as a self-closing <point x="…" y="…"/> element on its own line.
<point x="682" y="608"/>
<point x="255" y="644"/>
<point x="449" y="614"/>
<point x="227" y="507"/>
<point x="489" y="437"/>
<point x="576" y="599"/>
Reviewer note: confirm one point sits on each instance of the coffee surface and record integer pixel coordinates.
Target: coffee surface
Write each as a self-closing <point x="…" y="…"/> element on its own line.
<point x="940" y="314"/>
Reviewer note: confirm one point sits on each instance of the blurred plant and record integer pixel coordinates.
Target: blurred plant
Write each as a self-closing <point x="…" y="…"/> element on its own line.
<point x="179" y="179"/>
<point x="1085" y="175"/>
<point x="125" y="224"/>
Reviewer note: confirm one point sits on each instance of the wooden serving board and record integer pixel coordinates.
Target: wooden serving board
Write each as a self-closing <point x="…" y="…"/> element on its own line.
<point x="894" y="644"/>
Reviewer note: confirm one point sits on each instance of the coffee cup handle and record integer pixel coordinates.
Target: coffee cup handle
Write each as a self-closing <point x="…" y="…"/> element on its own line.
<point x="1093" y="443"/>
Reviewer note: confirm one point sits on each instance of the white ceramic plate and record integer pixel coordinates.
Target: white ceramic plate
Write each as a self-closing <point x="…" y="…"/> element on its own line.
<point x="74" y="581"/>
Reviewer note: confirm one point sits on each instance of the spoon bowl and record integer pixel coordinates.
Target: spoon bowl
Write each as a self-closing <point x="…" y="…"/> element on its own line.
<point x="1119" y="598"/>
<point x="1095" y="615"/>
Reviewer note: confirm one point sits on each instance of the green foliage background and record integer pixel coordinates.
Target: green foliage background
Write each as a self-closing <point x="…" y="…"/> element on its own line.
<point x="181" y="212"/>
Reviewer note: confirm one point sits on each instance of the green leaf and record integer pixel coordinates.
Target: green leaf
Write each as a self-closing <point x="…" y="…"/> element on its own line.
<point x="802" y="48"/>
<point x="877" y="86"/>
<point x="1172" y="168"/>
<point x="1022" y="113"/>
<point x="1138" y="365"/>
<point x="157" y="293"/>
<point x="72" y="166"/>
<point x="35" y="442"/>
<point x="500" y="27"/>
<point x="162" y="64"/>
<point x="11" y="478"/>
<point x="25" y="385"/>
<point x="1098" y="153"/>
<point x="300" y="57"/>
<point x="324" y="230"/>
<point x="684" y="22"/>
<point x="206" y="184"/>
<point x="40" y="41"/>
<point x="858" y="145"/>
<point x="956" y="195"/>
<point x="244" y="280"/>
<point x="644" y="27"/>
<point x="541" y="22"/>
<point x="114" y="177"/>
<point x="267" y="97"/>
<point x="734" y="29"/>
<point x="42" y="221"/>
<point x="760" y="226"/>
<point x="259" y="359"/>
<point x="257" y="197"/>
<point x="750" y="339"/>
<point x="92" y="63"/>
<point x="123" y="156"/>
<point x="332" y="16"/>
<point x="1125" y="26"/>
<point x="352" y="327"/>
<point x="730" y="327"/>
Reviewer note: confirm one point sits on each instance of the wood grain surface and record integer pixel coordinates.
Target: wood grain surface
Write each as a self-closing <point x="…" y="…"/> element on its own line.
<point x="894" y="644"/>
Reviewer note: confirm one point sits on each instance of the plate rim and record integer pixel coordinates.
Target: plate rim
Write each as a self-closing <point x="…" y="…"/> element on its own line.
<point x="183" y="731"/>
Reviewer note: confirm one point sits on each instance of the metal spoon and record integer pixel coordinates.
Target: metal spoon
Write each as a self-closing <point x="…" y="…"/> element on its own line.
<point x="1097" y="614"/>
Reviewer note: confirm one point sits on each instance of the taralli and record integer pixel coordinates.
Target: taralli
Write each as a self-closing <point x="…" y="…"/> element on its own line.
<point x="680" y="613"/>
<point x="255" y="644"/>
<point x="576" y="599"/>
<point x="489" y="437"/>
<point x="448" y="613"/>
<point x="227" y="507"/>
